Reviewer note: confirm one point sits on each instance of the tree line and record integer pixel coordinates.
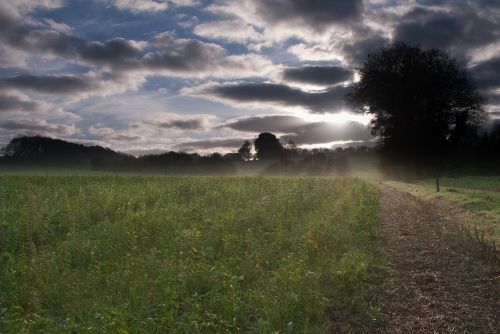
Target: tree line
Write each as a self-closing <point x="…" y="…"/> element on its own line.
<point x="42" y="152"/>
<point x="427" y="115"/>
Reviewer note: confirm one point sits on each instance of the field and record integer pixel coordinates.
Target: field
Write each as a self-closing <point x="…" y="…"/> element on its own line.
<point x="476" y="194"/>
<point x="128" y="254"/>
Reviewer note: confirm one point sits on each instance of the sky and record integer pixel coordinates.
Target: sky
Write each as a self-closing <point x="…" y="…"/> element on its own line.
<point x="147" y="76"/>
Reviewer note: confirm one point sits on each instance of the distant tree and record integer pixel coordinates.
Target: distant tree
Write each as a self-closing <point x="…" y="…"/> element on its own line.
<point x="234" y="157"/>
<point x="245" y="151"/>
<point x="40" y="151"/>
<point x="291" y="151"/>
<point x="215" y="164"/>
<point x="290" y="145"/>
<point x="268" y="147"/>
<point x="422" y="103"/>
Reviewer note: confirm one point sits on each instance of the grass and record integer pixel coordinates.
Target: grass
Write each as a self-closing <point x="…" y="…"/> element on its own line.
<point x="478" y="194"/>
<point x="129" y="254"/>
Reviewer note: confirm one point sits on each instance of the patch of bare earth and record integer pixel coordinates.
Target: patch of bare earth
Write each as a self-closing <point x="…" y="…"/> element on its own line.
<point x="433" y="284"/>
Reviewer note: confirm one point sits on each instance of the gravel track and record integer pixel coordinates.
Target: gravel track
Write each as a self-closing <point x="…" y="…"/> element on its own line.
<point x="432" y="284"/>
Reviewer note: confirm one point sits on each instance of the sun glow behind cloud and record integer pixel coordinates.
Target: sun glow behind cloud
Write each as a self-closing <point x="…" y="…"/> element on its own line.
<point x="342" y="117"/>
<point x="68" y="64"/>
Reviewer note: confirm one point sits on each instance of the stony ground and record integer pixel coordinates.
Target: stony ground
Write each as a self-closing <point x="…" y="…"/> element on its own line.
<point x="433" y="283"/>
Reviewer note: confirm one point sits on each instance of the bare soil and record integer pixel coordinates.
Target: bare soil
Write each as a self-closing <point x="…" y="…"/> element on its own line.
<point x="433" y="284"/>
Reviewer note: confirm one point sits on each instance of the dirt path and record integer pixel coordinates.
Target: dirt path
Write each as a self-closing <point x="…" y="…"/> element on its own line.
<point x="432" y="285"/>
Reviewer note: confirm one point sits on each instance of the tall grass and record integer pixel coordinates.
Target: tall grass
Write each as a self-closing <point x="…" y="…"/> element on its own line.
<point x="118" y="254"/>
<point x="478" y="195"/>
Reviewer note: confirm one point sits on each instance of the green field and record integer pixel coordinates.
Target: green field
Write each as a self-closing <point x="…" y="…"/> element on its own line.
<point x="477" y="194"/>
<point x="129" y="254"/>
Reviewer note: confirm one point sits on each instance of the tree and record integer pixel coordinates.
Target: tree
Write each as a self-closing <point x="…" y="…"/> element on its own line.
<point x="422" y="103"/>
<point x="268" y="147"/>
<point x="245" y="151"/>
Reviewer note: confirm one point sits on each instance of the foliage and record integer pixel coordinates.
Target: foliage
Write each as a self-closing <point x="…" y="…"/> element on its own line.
<point x="268" y="147"/>
<point x="423" y="102"/>
<point x="128" y="254"/>
<point x="41" y="152"/>
<point x="245" y="151"/>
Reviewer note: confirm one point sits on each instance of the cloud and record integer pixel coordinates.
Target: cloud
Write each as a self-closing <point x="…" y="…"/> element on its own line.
<point x="457" y="26"/>
<point x="109" y="134"/>
<point x="59" y="84"/>
<point x="302" y="132"/>
<point x="350" y="49"/>
<point x="12" y="11"/>
<point x="193" y="58"/>
<point x="210" y="144"/>
<point x="363" y="42"/>
<point x="176" y="122"/>
<point x="186" y="124"/>
<point x="322" y="132"/>
<point x="486" y="73"/>
<point x="16" y="103"/>
<point x="74" y="87"/>
<point x="37" y="127"/>
<point x="113" y="53"/>
<point x="228" y="30"/>
<point x="152" y="129"/>
<point x="137" y="6"/>
<point x="314" y="52"/>
<point x="166" y="55"/>
<point x="263" y="94"/>
<point x="140" y="5"/>
<point x="486" y="77"/>
<point x="315" y="14"/>
<point x="464" y="27"/>
<point x="57" y="26"/>
<point x="271" y="123"/>
<point x="13" y="104"/>
<point x="318" y="75"/>
<point x="282" y="19"/>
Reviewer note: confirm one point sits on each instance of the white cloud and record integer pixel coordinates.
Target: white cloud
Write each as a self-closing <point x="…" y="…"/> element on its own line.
<point x="141" y="5"/>
<point x="58" y="26"/>
<point x="315" y="52"/>
<point x="137" y="6"/>
<point x="229" y="30"/>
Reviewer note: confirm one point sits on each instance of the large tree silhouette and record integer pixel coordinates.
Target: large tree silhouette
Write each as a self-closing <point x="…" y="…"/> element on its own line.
<point x="268" y="147"/>
<point x="422" y="102"/>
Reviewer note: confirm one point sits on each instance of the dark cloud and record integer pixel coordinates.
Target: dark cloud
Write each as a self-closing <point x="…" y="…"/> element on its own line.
<point x="487" y="73"/>
<point x="52" y="84"/>
<point x="6" y="19"/>
<point x="124" y="137"/>
<point x="192" y="124"/>
<point x="329" y="99"/>
<point x="318" y="75"/>
<point x="15" y="103"/>
<point x="116" y="52"/>
<point x="73" y="86"/>
<point x="272" y="123"/>
<point x="316" y="14"/>
<point x="211" y="143"/>
<point x="487" y="78"/>
<point x="182" y="54"/>
<point x="459" y="29"/>
<point x="34" y="127"/>
<point x="301" y="131"/>
<point x="367" y="41"/>
<point x="166" y="53"/>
